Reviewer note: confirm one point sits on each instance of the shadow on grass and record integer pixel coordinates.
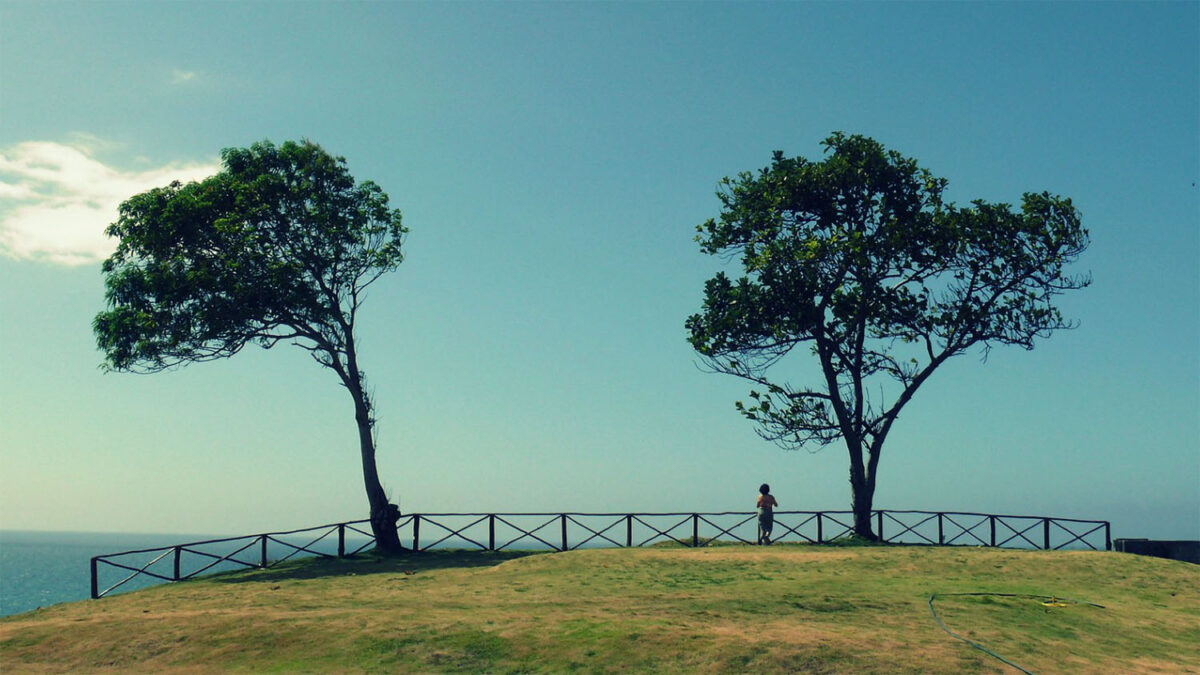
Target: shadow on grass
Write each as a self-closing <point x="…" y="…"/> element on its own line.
<point x="848" y="541"/>
<point x="371" y="563"/>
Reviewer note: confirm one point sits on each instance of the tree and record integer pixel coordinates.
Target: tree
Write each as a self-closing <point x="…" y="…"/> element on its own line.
<point x="859" y="258"/>
<point x="279" y="246"/>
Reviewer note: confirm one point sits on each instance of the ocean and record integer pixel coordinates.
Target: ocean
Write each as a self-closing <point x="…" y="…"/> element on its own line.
<point x="39" y="569"/>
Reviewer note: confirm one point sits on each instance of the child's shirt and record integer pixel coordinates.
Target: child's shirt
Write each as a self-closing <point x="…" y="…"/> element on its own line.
<point x="767" y="502"/>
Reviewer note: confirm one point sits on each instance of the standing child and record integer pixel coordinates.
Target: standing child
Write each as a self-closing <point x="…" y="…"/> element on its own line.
<point x="766" y="514"/>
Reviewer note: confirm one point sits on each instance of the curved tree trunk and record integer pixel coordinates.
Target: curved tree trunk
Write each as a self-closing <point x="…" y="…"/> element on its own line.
<point x="384" y="515"/>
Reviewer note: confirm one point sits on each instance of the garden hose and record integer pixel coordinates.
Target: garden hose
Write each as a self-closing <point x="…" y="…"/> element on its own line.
<point x="1047" y="601"/>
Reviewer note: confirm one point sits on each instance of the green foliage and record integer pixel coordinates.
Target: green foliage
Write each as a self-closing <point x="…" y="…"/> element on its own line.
<point x="277" y="246"/>
<point x="860" y="258"/>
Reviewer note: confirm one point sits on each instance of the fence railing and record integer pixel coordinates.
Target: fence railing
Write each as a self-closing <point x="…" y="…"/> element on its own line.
<point x="571" y="531"/>
<point x="184" y="561"/>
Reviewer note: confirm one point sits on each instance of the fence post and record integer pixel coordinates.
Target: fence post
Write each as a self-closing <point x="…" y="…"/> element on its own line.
<point x="178" y="551"/>
<point x="695" y="530"/>
<point x="341" y="540"/>
<point x="820" y="531"/>
<point x="1107" y="537"/>
<point x="263" y="539"/>
<point x="879" y="525"/>
<point x="1046" y="534"/>
<point x="941" y="534"/>
<point x="416" y="533"/>
<point x="491" y="532"/>
<point x="95" y="581"/>
<point x="629" y="531"/>
<point x="564" y="532"/>
<point x="992" y="520"/>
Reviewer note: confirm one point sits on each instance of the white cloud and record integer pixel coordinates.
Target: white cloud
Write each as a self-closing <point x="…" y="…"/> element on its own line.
<point x="56" y="200"/>
<point x="180" y="76"/>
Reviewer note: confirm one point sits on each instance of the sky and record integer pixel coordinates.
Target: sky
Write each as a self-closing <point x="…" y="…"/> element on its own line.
<point x="552" y="161"/>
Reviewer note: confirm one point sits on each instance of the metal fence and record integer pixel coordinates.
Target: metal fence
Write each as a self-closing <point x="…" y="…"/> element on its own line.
<point x="571" y="531"/>
<point x="184" y="561"/>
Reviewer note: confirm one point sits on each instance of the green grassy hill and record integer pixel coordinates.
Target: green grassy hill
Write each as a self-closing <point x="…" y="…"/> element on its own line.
<point x="724" y="609"/>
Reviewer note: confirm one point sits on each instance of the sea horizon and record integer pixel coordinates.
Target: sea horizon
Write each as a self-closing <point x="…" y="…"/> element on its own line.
<point x="40" y="568"/>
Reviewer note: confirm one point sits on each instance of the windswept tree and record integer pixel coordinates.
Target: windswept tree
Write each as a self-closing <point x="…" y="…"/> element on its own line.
<point x="280" y="246"/>
<point x="858" y="259"/>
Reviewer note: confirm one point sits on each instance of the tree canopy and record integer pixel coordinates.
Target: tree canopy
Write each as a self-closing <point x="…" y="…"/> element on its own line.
<point x="280" y="245"/>
<point x="859" y="258"/>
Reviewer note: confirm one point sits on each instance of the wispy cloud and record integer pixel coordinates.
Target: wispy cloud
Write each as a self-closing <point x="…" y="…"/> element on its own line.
<point x="179" y="76"/>
<point x="56" y="200"/>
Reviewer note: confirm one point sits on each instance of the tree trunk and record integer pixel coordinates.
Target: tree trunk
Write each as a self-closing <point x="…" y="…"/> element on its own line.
<point x="861" y="504"/>
<point x="384" y="515"/>
<point x="862" y="492"/>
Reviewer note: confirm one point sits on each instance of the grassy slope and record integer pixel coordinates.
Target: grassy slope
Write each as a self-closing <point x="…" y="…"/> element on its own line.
<point x="720" y="609"/>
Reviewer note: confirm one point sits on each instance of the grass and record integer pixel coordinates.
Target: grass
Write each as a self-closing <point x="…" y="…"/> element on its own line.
<point x="808" y="609"/>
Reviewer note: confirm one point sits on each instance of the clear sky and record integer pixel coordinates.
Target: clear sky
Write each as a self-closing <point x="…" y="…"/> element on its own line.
<point x="552" y="161"/>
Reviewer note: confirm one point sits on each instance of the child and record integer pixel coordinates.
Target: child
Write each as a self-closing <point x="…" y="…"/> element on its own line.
<point x="766" y="514"/>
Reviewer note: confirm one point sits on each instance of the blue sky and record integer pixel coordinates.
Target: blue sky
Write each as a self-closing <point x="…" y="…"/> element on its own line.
<point x="552" y="161"/>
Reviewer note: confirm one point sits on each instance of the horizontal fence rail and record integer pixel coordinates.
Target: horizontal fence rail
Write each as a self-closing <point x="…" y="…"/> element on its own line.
<point x="572" y="531"/>
<point x="185" y="561"/>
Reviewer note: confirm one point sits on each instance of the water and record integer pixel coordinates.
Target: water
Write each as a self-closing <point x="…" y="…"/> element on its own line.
<point x="39" y="569"/>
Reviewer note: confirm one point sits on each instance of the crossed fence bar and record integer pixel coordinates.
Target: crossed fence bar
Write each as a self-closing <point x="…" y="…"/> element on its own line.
<point x="247" y="551"/>
<point x="553" y="531"/>
<point x="571" y="531"/>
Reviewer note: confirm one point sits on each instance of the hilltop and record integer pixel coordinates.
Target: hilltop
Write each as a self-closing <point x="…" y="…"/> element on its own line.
<point x="810" y="609"/>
